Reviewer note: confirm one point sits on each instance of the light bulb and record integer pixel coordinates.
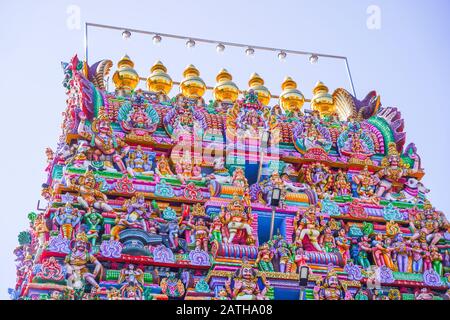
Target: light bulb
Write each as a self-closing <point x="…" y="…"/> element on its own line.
<point x="314" y="58"/>
<point x="220" y="48"/>
<point x="126" y="34"/>
<point x="249" y="51"/>
<point x="190" y="43"/>
<point x="282" y="55"/>
<point x="157" y="39"/>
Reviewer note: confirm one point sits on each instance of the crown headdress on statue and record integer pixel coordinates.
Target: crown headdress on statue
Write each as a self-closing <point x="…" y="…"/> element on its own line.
<point x="101" y="116"/>
<point x="236" y="203"/>
<point x="392" y="152"/>
<point x="81" y="237"/>
<point x="198" y="211"/>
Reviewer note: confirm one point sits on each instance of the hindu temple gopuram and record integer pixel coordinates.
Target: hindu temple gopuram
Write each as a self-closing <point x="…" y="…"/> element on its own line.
<point x="156" y="195"/>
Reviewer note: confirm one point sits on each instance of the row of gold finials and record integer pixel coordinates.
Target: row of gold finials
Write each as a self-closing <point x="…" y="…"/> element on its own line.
<point x="291" y="99"/>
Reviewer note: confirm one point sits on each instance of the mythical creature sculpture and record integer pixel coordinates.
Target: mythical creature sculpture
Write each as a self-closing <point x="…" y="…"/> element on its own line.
<point x="133" y="282"/>
<point x="329" y="288"/>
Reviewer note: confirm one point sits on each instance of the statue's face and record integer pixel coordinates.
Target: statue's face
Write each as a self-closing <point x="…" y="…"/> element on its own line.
<point x="333" y="282"/>
<point x="141" y="200"/>
<point x="68" y="210"/>
<point x="247" y="273"/>
<point x="131" y="267"/>
<point x="394" y="161"/>
<point x="103" y="126"/>
<point x="89" y="182"/>
<point x="201" y="222"/>
<point x="80" y="245"/>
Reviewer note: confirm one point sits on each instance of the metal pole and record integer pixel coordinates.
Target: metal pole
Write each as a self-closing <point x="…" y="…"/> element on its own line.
<point x="302" y="293"/>
<point x="272" y="222"/>
<point x="350" y="77"/>
<point x="86" y="25"/>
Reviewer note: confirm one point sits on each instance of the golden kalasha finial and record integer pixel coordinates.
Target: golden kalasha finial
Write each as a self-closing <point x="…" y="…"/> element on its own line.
<point x="225" y="90"/>
<point x="256" y="83"/>
<point x="159" y="80"/>
<point x="322" y="101"/>
<point x="125" y="78"/>
<point x="291" y="99"/>
<point x="192" y="85"/>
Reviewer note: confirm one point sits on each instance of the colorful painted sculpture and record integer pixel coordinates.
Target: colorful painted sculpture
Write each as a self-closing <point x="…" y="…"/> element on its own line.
<point x="172" y="197"/>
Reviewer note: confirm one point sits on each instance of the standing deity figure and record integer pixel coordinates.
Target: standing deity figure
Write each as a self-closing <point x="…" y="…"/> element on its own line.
<point x="394" y="169"/>
<point x="366" y="183"/>
<point x="238" y="179"/>
<point x="94" y="221"/>
<point x="201" y="234"/>
<point x="426" y="257"/>
<point x="237" y="222"/>
<point x="283" y="254"/>
<point x="341" y="184"/>
<point x="417" y="259"/>
<point x="401" y="253"/>
<point x="245" y="286"/>
<point x="106" y="146"/>
<point x="428" y="225"/>
<point x="215" y="230"/>
<point x="343" y="245"/>
<point x="67" y="218"/>
<point x="320" y="179"/>
<point x="133" y="282"/>
<point x="89" y="195"/>
<point x="264" y="259"/>
<point x="139" y="162"/>
<point x="326" y="240"/>
<point x="330" y="288"/>
<point x="76" y="264"/>
<point x="365" y="247"/>
<point x="187" y="170"/>
<point x="382" y="252"/>
<point x="436" y="260"/>
<point x="309" y="226"/>
<point x="40" y="230"/>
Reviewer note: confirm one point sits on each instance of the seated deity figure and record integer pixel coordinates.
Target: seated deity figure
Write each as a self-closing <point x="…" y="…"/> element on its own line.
<point x="68" y="219"/>
<point x="237" y="222"/>
<point x="106" y="146"/>
<point x="309" y="225"/>
<point x="133" y="282"/>
<point x="264" y="258"/>
<point x="89" y="194"/>
<point x="139" y="162"/>
<point x="245" y="284"/>
<point x="187" y="170"/>
<point x="366" y="183"/>
<point x="163" y="167"/>
<point x="77" y="264"/>
<point x="330" y="288"/>
<point x="239" y="179"/>
<point x="429" y="225"/>
<point x="393" y="170"/>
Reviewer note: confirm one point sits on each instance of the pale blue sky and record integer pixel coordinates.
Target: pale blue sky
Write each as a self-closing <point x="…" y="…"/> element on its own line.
<point x="406" y="61"/>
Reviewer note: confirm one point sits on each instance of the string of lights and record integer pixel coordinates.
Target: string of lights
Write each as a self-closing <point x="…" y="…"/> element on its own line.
<point x="191" y="42"/>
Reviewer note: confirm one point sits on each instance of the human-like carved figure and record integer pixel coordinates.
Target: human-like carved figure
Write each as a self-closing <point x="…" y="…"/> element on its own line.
<point x="201" y="234"/>
<point x="94" y="221"/>
<point x="393" y="170"/>
<point x="309" y="226"/>
<point x="107" y="147"/>
<point x="264" y="259"/>
<point x="341" y="184"/>
<point x="133" y="282"/>
<point x="428" y="225"/>
<point x="417" y="259"/>
<point x="163" y="167"/>
<point x="68" y="219"/>
<point x="436" y="260"/>
<point x="330" y="288"/>
<point x="326" y="240"/>
<point x="365" y="247"/>
<point x="401" y="253"/>
<point x="343" y="245"/>
<point x="139" y="162"/>
<point x="187" y="170"/>
<point x="89" y="194"/>
<point x="77" y="261"/>
<point x="245" y="286"/>
<point x="237" y="222"/>
<point x="366" y="183"/>
<point x="239" y="179"/>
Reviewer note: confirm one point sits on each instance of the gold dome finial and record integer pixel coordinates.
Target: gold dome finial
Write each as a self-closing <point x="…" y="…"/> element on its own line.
<point x="322" y="101"/>
<point x="291" y="99"/>
<point x="159" y="80"/>
<point x="225" y="90"/>
<point x="192" y="85"/>
<point x="125" y="78"/>
<point x="256" y="83"/>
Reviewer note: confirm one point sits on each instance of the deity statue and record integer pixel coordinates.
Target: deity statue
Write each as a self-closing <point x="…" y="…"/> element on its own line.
<point x="393" y="170"/>
<point x="237" y="222"/>
<point x="401" y="253"/>
<point x="172" y="286"/>
<point x="341" y="184"/>
<point x="239" y="179"/>
<point x="356" y="143"/>
<point x="107" y="147"/>
<point x="428" y="225"/>
<point x="417" y="258"/>
<point x="201" y="233"/>
<point x="424" y="294"/>
<point x="319" y="178"/>
<point x="67" y="218"/>
<point x="139" y="162"/>
<point x="163" y="167"/>
<point x="326" y="240"/>
<point x="343" y="245"/>
<point x="94" y="221"/>
<point x="76" y="264"/>
<point x="245" y="284"/>
<point x="133" y="282"/>
<point x="330" y="288"/>
<point x="89" y="194"/>
<point x="426" y="257"/>
<point x="436" y="260"/>
<point x="138" y="118"/>
<point x="309" y="226"/>
<point x="264" y="259"/>
<point x="215" y="230"/>
<point x="365" y="247"/>
<point x="220" y="173"/>
<point x="136" y="211"/>
<point x="186" y="169"/>
<point x="310" y="133"/>
<point x="282" y="254"/>
<point x="382" y="252"/>
<point x="366" y="183"/>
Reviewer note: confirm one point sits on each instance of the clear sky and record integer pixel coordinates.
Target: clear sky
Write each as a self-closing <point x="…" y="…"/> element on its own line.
<point x="404" y="56"/>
